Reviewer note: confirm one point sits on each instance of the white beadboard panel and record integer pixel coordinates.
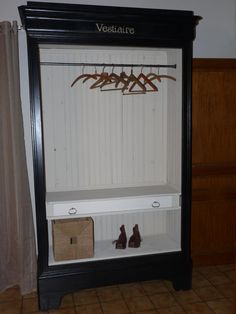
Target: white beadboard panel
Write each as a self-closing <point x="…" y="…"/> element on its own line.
<point x="107" y="227"/>
<point x="173" y="225"/>
<point x="103" y="139"/>
<point x="174" y="121"/>
<point x="150" y="223"/>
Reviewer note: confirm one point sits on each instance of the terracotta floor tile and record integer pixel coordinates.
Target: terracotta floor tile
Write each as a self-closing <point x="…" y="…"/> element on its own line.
<point x="85" y="297"/>
<point x="226" y="267"/>
<point x="185" y="297"/>
<point x="30" y="305"/>
<point x="197" y="308"/>
<point x="132" y="290"/>
<point x="13" y="307"/>
<point x="154" y="286"/>
<point x="171" y="310"/>
<point x="140" y="303"/>
<point x="198" y="280"/>
<point x="30" y="295"/>
<point x="146" y="312"/>
<point x="169" y="285"/>
<point x="163" y="300"/>
<point x="108" y="293"/>
<point x="63" y="311"/>
<point x="213" y="292"/>
<point x="115" y="307"/>
<point x="67" y="301"/>
<point x="208" y="293"/>
<point x="222" y="306"/>
<point x="227" y="290"/>
<point x="39" y="312"/>
<point x="218" y="279"/>
<point x="89" y="309"/>
<point x="230" y="274"/>
<point x="10" y="294"/>
<point x="206" y="270"/>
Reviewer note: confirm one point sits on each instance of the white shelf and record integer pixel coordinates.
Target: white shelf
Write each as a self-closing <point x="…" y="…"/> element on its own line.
<point x="104" y="193"/>
<point x="103" y="250"/>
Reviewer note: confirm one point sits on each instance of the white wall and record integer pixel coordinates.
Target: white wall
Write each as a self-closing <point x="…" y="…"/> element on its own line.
<point x="216" y="37"/>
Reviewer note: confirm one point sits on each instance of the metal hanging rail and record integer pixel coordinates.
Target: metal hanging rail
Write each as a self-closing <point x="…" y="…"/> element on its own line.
<point x="173" y="66"/>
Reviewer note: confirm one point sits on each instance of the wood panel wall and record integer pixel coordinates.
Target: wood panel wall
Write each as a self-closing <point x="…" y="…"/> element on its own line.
<point x="235" y="288"/>
<point x="214" y="161"/>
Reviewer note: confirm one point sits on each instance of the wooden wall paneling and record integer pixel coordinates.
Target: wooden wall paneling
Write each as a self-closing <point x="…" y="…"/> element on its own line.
<point x="235" y="288"/>
<point x="214" y="161"/>
<point x="213" y="231"/>
<point x="214" y="112"/>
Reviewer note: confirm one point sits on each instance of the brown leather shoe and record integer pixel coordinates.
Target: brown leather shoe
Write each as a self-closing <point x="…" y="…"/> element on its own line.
<point x="122" y="240"/>
<point x="135" y="239"/>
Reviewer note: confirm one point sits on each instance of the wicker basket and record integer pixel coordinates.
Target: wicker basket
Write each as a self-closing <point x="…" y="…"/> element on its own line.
<point x="73" y="238"/>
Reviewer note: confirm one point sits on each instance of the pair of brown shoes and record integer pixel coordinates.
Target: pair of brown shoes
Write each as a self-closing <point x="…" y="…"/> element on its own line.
<point x="134" y="240"/>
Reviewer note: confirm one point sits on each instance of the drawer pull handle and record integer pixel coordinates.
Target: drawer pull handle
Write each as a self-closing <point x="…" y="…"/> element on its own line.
<point x="155" y="204"/>
<point x="72" y="211"/>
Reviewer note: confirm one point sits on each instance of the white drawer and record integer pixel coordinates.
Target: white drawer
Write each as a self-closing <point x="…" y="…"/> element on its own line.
<point x="111" y="205"/>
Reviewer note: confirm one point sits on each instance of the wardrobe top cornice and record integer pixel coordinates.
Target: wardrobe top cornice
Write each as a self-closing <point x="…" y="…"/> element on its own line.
<point x="120" y="22"/>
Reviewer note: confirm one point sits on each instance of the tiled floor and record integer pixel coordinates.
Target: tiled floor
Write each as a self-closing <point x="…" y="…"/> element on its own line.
<point x="212" y="292"/>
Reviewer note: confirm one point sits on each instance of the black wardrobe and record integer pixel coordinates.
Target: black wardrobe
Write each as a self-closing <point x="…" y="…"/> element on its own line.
<point x="110" y="93"/>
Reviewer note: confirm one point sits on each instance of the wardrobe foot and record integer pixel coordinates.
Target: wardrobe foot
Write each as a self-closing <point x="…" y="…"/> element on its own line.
<point x="182" y="283"/>
<point x="47" y="302"/>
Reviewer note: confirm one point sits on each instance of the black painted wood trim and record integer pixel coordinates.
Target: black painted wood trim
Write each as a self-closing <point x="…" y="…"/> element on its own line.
<point x="69" y="20"/>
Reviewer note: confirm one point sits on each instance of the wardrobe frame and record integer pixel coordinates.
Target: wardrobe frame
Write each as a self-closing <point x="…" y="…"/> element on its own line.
<point x="71" y="24"/>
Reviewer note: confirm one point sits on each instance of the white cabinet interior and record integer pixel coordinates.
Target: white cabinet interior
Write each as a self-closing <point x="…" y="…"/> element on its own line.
<point x="112" y="156"/>
<point x="95" y="139"/>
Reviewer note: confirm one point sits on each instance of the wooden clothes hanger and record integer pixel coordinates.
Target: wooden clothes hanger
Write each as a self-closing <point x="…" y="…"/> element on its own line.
<point x="80" y="77"/>
<point x="114" y="80"/>
<point x="152" y="76"/>
<point x="100" y="80"/>
<point x="167" y="76"/>
<point x="136" y="82"/>
<point x="85" y="77"/>
<point x="123" y="77"/>
<point x="131" y="84"/>
<point x="146" y="81"/>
